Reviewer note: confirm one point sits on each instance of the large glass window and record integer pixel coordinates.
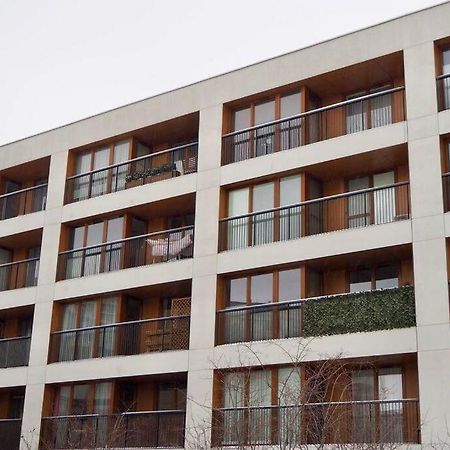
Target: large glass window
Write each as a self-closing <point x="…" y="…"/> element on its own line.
<point x="367" y="279"/>
<point x="262" y="322"/>
<point x="373" y="207"/>
<point x="261" y="199"/>
<point x="100" y="182"/>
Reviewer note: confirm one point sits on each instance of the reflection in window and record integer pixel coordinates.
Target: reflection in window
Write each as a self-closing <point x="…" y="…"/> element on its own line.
<point x="361" y="280"/>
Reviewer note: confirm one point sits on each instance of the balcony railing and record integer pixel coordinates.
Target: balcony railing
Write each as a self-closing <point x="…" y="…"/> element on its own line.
<point x="318" y="316"/>
<point x="10" y="432"/>
<point x="338" y="212"/>
<point x="127" y="338"/>
<point x="446" y="191"/>
<point x="351" y="116"/>
<point x="19" y="274"/>
<point x="371" y="422"/>
<point x="14" y="352"/>
<point x="158" y="166"/>
<point x="152" y="248"/>
<point x="443" y="91"/>
<point x="23" y="201"/>
<point x="152" y="429"/>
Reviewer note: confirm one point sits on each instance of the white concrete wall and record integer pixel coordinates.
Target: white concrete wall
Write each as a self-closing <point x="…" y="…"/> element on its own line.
<point x="426" y="231"/>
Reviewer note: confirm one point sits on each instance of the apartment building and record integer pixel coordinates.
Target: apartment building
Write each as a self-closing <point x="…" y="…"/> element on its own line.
<point x="258" y="259"/>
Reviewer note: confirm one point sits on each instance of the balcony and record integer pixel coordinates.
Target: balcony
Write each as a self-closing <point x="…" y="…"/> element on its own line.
<point x="174" y="162"/>
<point x="382" y="309"/>
<point x="10" y="432"/>
<point x="19" y="274"/>
<point x="150" y="429"/>
<point x="170" y="245"/>
<point x="23" y="201"/>
<point x="443" y="91"/>
<point x="365" y="422"/>
<point x="358" y="114"/>
<point x="371" y="206"/>
<point x="127" y="338"/>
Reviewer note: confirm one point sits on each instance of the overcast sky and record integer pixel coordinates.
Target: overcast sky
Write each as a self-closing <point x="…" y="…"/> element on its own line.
<point x="62" y="60"/>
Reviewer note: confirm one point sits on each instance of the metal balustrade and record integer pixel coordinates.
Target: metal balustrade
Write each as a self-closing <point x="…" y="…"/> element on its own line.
<point x="14" y="352"/>
<point x="446" y="191"/>
<point x="150" y="429"/>
<point x="337" y="212"/>
<point x="127" y="338"/>
<point x="158" y="166"/>
<point x="23" y="201"/>
<point x="10" y="432"/>
<point x="351" y="116"/>
<point x="443" y="91"/>
<point x="19" y="274"/>
<point x="163" y="246"/>
<point x="371" y="422"/>
<point x="287" y="319"/>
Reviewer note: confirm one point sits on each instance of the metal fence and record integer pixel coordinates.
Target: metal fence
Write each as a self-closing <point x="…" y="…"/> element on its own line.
<point x="158" y="166"/>
<point x="10" y="431"/>
<point x="128" y="338"/>
<point x="14" y="352"/>
<point x="135" y="251"/>
<point x="338" y="212"/>
<point x="351" y="116"/>
<point x="23" y="201"/>
<point x="149" y="429"/>
<point x="373" y="421"/>
<point x="443" y="91"/>
<point x="19" y="274"/>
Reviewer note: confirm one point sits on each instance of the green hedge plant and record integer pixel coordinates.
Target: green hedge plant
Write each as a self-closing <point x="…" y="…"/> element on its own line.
<point x="358" y="312"/>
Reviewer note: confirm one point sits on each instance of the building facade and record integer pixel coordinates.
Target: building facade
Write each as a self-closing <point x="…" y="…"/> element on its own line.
<point x="260" y="258"/>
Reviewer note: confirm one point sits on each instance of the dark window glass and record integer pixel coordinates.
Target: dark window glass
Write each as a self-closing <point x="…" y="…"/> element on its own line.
<point x="386" y="277"/>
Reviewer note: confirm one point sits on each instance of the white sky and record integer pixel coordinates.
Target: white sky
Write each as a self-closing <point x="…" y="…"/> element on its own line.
<point x="62" y="60"/>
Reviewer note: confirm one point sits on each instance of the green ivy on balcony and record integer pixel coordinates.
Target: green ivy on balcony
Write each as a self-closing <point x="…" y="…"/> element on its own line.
<point x="362" y="311"/>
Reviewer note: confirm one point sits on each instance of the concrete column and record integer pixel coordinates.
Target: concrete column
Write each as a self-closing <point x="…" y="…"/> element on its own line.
<point x="204" y="279"/>
<point x="43" y="308"/>
<point x="429" y="254"/>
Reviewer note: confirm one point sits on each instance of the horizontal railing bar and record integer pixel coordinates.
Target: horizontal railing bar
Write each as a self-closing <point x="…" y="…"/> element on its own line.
<point x="316" y="200"/>
<point x="300" y="300"/>
<point x="131" y="322"/>
<point x="20" y="191"/>
<point x="441" y="77"/>
<point x="18" y="338"/>
<point x="302" y="405"/>
<point x="129" y="413"/>
<point x="315" y="111"/>
<point x="10" y="420"/>
<point x="130" y="161"/>
<point x="23" y="261"/>
<point x="446" y="174"/>
<point x="131" y="238"/>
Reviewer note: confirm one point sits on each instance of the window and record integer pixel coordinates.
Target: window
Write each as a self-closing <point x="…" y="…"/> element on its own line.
<point x="446" y="80"/>
<point x="87" y="342"/>
<point x="258" y="390"/>
<point x="265" y="227"/>
<point x="80" y="399"/>
<point x="367" y="279"/>
<point x="258" y="290"/>
<point x="103" y="181"/>
<point x="383" y="421"/>
<point x="374" y="207"/>
<point x="266" y="139"/>
<point x="96" y="258"/>
<point x="372" y="113"/>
